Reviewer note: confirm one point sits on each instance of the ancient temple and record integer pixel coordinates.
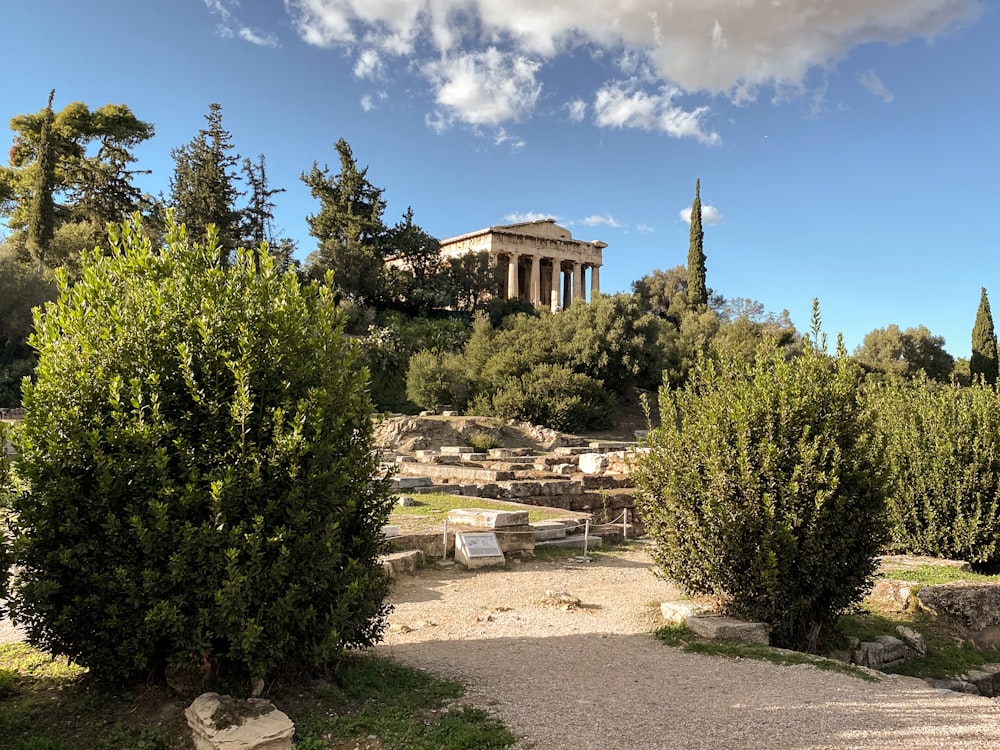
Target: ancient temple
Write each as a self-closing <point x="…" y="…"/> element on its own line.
<point x="544" y="264"/>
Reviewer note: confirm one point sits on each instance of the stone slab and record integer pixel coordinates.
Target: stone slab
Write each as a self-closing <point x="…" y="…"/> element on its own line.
<point x="545" y="530"/>
<point x="221" y="722"/>
<point x="411" y="483"/>
<point x="678" y="611"/>
<point x="402" y="563"/>
<point x="593" y="463"/>
<point x="487" y="519"/>
<point x="574" y="541"/>
<point x="454" y="473"/>
<point x="716" y="628"/>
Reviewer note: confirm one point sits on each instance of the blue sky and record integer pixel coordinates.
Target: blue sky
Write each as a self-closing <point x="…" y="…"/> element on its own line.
<point x="847" y="149"/>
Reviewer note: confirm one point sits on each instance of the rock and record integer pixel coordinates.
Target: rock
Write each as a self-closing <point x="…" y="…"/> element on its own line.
<point x="986" y="679"/>
<point x="221" y="722"/>
<point x="401" y="563"/>
<point x="405" y="501"/>
<point x="560" y="599"/>
<point x="593" y="463"/>
<point x="487" y="519"/>
<point x="893" y="649"/>
<point x="872" y="653"/>
<point x="678" y="611"/>
<point x="896" y="594"/>
<point x="564" y="469"/>
<point x="716" y="628"/>
<point x="914" y="640"/>
<point x="974" y="606"/>
<point x="956" y="686"/>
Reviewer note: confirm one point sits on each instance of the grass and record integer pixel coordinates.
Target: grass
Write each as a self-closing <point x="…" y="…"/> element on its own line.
<point x="679" y="636"/>
<point x="47" y="704"/>
<point x="437" y="504"/>
<point x="930" y="575"/>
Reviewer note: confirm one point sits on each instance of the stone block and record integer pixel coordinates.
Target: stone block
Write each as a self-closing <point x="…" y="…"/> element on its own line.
<point x="716" y="628"/>
<point x="411" y="483"/>
<point x="405" y="501"/>
<point x="677" y="611"/>
<point x="221" y="722"/>
<point x="487" y="519"/>
<point x="402" y="563"/>
<point x="593" y="463"/>
<point x="975" y="606"/>
<point x="389" y="531"/>
<point x="986" y="679"/>
<point x="545" y="530"/>
<point x="473" y="456"/>
<point x="522" y="488"/>
<point x="872" y="653"/>
<point x="564" y="469"/>
<point x="893" y="649"/>
<point x="453" y="450"/>
<point x="516" y="538"/>
<point x="892" y="592"/>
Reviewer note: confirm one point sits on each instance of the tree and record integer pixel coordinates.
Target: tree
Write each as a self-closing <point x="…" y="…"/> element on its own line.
<point x="984" y="343"/>
<point x="764" y="486"/>
<point x="203" y="492"/>
<point x="203" y="189"/>
<point x="22" y="288"/>
<point x="905" y="353"/>
<point x="348" y="228"/>
<point x="41" y="209"/>
<point x="697" y="291"/>
<point x="70" y="174"/>
<point x="257" y="218"/>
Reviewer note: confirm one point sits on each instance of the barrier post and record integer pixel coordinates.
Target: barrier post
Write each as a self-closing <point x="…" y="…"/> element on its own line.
<point x="586" y="536"/>
<point x="444" y="555"/>
<point x="625" y="524"/>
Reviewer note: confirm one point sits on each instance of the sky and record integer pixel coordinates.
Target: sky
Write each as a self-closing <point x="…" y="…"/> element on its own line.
<point x="847" y="149"/>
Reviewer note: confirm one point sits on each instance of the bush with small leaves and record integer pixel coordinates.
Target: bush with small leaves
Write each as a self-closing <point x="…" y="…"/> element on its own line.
<point x="764" y="487"/>
<point x="198" y="448"/>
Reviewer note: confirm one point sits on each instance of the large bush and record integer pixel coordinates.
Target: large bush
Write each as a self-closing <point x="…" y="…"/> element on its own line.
<point x="199" y="452"/>
<point x="943" y="446"/>
<point x="764" y="487"/>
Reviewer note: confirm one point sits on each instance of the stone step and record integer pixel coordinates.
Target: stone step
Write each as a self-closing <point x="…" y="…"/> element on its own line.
<point x="546" y="530"/>
<point x="574" y="541"/>
<point x="715" y="628"/>
<point x="487" y="519"/>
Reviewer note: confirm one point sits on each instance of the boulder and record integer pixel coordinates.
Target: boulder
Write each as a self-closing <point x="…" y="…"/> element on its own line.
<point x="593" y="463"/>
<point x="974" y="606"/>
<point x="716" y="628"/>
<point x="221" y="722"/>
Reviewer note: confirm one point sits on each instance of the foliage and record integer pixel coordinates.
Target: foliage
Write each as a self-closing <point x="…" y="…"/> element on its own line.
<point x="348" y="228"/>
<point x="943" y="448"/>
<point x="697" y="291"/>
<point x="435" y="379"/>
<point x="484" y="441"/>
<point x="984" y="343"/>
<point x="764" y="487"/>
<point x="550" y="395"/>
<point x="68" y="168"/>
<point x="21" y="289"/>
<point x="7" y="491"/>
<point x="199" y="452"/>
<point x="203" y="188"/>
<point x="905" y="353"/>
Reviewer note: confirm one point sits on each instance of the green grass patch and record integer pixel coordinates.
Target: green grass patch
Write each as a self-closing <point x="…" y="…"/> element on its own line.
<point x="405" y="708"/>
<point x="929" y="575"/>
<point x="679" y="636"/>
<point x="947" y="656"/>
<point x="437" y="504"/>
<point x="47" y="704"/>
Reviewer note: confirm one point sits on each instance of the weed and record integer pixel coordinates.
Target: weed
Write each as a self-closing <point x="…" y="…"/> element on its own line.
<point x="483" y="441"/>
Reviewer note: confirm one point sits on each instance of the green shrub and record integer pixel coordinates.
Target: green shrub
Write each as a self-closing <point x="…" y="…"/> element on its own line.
<point x="764" y="487"/>
<point x="8" y="488"/>
<point x="198" y="446"/>
<point x="553" y="396"/>
<point x="435" y="379"/>
<point x="943" y="446"/>
<point x="484" y="441"/>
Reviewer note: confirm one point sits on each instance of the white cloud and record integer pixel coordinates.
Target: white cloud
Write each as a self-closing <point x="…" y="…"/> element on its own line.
<point x="368" y="65"/>
<point x="644" y="229"/>
<point x="517" y="218"/>
<point x="367" y="103"/>
<point x="484" y="88"/>
<point x="261" y="40"/>
<point x="501" y="136"/>
<point x="594" y="220"/>
<point x="870" y="80"/>
<point x="621" y="105"/>
<point x="733" y="49"/>
<point x="577" y="110"/>
<point x="709" y="215"/>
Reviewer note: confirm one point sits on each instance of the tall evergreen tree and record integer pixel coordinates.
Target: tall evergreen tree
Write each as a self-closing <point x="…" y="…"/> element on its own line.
<point x="203" y="189"/>
<point x="984" y="343"/>
<point x="697" y="291"/>
<point x="41" y="208"/>
<point x="348" y="227"/>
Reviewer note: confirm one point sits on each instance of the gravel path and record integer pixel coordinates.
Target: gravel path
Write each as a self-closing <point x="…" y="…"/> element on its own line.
<point x="593" y="677"/>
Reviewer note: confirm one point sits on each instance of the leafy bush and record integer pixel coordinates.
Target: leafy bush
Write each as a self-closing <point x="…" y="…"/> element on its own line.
<point x="436" y="379"/>
<point x="484" y="441"/>
<point x="943" y="446"/>
<point x="764" y="487"/>
<point x="8" y="488"/>
<point x="553" y="396"/>
<point x="198" y="445"/>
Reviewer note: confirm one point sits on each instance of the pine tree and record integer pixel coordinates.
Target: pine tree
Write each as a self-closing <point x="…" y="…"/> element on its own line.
<point x="42" y="209"/>
<point x="984" y="343"/>
<point x="203" y="189"/>
<point x="697" y="291"/>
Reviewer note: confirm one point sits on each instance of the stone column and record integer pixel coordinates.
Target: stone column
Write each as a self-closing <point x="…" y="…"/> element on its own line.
<point x="556" y="279"/>
<point x="535" y="290"/>
<point x="595" y="281"/>
<point x="578" y="282"/>
<point x="512" y="290"/>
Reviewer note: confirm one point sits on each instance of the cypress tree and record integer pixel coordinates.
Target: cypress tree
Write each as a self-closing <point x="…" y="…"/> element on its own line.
<point x="42" y="210"/>
<point x="984" y="343"/>
<point x="697" y="290"/>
